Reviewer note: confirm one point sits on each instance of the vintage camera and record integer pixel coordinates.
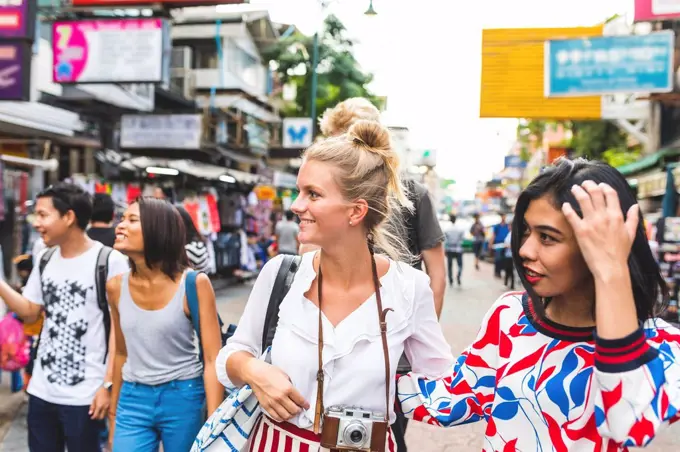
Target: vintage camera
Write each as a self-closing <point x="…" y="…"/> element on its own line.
<point x="350" y="428"/>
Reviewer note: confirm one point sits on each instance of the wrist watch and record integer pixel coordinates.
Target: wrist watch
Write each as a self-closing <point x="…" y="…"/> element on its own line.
<point x="107" y="385"/>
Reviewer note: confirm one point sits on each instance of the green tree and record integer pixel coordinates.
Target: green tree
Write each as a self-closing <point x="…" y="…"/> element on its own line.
<point x="597" y="140"/>
<point x="339" y="76"/>
<point x="593" y="138"/>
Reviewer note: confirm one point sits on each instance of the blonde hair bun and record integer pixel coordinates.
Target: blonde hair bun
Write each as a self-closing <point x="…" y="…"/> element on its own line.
<point x="338" y="119"/>
<point x="372" y="135"/>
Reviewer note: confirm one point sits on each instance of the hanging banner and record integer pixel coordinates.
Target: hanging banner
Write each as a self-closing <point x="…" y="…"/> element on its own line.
<point x="109" y="51"/>
<point x="15" y="71"/>
<point x="17" y="19"/>
<point x="650" y="10"/>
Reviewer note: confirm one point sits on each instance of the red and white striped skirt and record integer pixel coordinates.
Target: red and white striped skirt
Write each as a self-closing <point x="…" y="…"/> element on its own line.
<point x="272" y="436"/>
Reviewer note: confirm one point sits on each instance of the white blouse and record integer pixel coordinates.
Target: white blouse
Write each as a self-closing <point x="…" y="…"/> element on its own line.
<point x="352" y="355"/>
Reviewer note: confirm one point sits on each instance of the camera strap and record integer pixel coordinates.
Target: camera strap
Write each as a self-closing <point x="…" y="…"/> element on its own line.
<point x="382" y="314"/>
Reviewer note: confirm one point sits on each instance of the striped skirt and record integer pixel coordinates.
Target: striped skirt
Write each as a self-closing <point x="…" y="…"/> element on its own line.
<point x="272" y="436"/>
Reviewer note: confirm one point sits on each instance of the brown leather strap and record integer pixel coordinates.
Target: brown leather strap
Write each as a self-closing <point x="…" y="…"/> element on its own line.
<point x="382" y="314"/>
<point x="319" y="375"/>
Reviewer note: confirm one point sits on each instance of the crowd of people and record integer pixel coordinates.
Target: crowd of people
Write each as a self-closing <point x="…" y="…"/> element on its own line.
<point x="578" y="360"/>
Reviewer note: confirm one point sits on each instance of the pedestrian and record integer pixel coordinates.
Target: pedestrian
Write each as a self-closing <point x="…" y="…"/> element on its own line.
<point x="417" y="227"/>
<point x="160" y="386"/>
<point x="500" y="232"/>
<point x="286" y="233"/>
<point x="320" y="347"/>
<point x="69" y="389"/>
<point x="580" y="360"/>
<point x="508" y="266"/>
<point x="197" y="251"/>
<point x="101" y="225"/>
<point x="453" y="243"/>
<point x="478" y="233"/>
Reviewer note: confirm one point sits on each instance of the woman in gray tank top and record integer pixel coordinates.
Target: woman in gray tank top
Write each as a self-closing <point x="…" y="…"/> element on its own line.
<point x="160" y="386"/>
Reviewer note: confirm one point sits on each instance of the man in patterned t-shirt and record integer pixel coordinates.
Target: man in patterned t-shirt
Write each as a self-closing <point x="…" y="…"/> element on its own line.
<point x="69" y="389"/>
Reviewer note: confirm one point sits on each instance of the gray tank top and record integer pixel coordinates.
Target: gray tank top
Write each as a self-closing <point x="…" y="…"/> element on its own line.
<point x="161" y="344"/>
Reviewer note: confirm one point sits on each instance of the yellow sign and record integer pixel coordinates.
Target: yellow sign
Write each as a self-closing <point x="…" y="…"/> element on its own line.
<point x="512" y="76"/>
<point x="265" y="192"/>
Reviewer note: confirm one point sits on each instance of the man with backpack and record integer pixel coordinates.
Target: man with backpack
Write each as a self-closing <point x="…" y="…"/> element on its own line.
<point x="69" y="390"/>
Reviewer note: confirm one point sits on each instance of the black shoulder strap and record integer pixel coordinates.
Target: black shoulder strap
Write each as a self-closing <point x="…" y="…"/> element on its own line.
<point x="101" y="276"/>
<point x="284" y="279"/>
<point x="45" y="258"/>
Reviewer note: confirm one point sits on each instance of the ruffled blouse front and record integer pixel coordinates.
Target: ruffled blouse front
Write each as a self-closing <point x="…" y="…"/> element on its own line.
<point x="353" y="362"/>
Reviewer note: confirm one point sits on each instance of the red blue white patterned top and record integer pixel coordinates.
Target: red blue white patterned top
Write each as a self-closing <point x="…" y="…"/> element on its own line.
<point x="542" y="386"/>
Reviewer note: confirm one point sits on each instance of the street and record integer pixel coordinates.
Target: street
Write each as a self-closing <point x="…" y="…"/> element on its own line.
<point x="464" y="309"/>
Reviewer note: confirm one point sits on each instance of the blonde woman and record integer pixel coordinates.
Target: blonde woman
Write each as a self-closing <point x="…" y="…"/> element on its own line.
<point x="328" y="349"/>
<point x="418" y="227"/>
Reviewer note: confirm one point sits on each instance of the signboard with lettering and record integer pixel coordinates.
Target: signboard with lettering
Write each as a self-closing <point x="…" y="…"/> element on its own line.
<point x="610" y="64"/>
<point x="109" y="51"/>
<point x="15" y="71"/>
<point x="161" y="132"/>
<point x="17" y="19"/>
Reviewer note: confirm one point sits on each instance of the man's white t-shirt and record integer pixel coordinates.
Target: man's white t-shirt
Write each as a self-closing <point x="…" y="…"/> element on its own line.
<point x="70" y="365"/>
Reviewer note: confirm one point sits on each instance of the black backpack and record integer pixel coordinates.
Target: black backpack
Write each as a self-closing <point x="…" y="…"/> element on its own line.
<point x="101" y="276"/>
<point x="284" y="279"/>
<point x="282" y="283"/>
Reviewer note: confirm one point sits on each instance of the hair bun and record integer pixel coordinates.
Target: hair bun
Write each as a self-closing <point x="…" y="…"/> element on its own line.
<point x="337" y="120"/>
<point x="372" y="135"/>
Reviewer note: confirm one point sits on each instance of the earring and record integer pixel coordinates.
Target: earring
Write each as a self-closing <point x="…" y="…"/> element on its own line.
<point x="350" y="222"/>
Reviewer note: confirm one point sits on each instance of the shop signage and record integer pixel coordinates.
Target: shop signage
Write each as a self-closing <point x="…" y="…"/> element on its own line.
<point x="297" y="132"/>
<point x="109" y="51"/>
<point x="649" y="10"/>
<point x="17" y="19"/>
<point x="512" y="76"/>
<point x="609" y="64"/>
<point x="514" y="161"/>
<point x="15" y="71"/>
<point x="161" y="131"/>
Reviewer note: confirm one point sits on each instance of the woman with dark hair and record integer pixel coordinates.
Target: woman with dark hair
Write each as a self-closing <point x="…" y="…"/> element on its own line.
<point x="197" y="252"/>
<point x="160" y="385"/>
<point x="579" y="361"/>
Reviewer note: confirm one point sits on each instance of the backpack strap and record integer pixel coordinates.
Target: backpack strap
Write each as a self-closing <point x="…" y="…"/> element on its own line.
<point x="284" y="279"/>
<point x="100" y="278"/>
<point x="44" y="259"/>
<point x="191" y="292"/>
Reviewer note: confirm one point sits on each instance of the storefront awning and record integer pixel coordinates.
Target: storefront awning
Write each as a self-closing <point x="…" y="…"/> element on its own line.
<point x="243" y="177"/>
<point x="238" y="157"/>
<point x="47" y="165"/>
<point x="196" y="169"/>
<point x="240" y="103"/>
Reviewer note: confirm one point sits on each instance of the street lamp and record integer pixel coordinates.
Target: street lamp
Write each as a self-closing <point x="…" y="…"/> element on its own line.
<point x="370" y="11"/>
<point x="315" y="61"/>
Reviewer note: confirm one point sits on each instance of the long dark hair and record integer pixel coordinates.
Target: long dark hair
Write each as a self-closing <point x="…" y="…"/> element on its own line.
<point x="164" y="236"/>
<point x="192" y="234"/>
<point x="556" y="181"/>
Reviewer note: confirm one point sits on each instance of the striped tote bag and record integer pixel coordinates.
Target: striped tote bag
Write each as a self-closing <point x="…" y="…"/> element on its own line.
<point x="230" y="426"/>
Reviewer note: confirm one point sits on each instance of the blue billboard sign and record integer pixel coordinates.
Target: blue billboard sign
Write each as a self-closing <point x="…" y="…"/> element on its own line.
<point x="514" y="161"/>
<point x="609" y="64"/>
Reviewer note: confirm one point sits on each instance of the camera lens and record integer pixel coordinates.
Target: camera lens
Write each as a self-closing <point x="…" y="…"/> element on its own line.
<point x="355" y="434"/>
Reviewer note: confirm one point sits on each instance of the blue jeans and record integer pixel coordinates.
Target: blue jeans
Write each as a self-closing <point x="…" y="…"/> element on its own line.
<point x="170" y="412"/>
